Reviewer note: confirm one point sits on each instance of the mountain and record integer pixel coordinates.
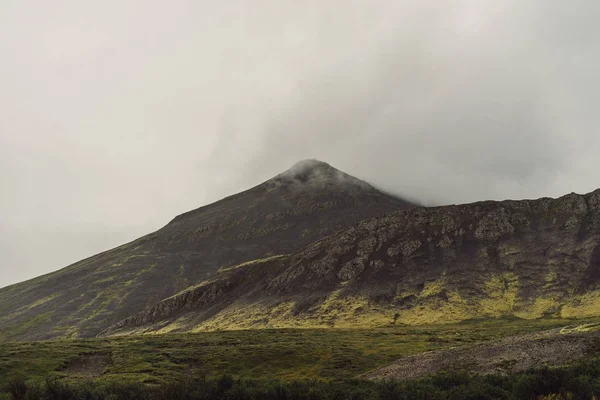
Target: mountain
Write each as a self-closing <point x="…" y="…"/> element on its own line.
<point x="517" y="259"/>
<point x="280" y="216"/>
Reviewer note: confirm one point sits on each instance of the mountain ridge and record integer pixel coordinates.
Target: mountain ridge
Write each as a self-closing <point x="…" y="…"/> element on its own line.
<point x="277" y="216"/>
<point x="526" y="259"/>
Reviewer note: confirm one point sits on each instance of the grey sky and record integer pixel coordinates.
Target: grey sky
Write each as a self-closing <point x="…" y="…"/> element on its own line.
<point x="118" y="115"/>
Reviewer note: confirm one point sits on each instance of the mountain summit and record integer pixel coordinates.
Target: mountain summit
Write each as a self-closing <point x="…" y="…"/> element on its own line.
<point x="315" y="172"/>
<point x="280" y="216"/>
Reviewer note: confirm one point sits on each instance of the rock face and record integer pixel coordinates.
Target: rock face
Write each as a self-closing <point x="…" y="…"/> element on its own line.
<point x="526" y="259"/>
<point x="280" y="216"/>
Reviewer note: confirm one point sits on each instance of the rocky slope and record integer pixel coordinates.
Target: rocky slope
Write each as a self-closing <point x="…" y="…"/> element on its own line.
<point x="527" y="259"/>
<point x="279" y="216"/>
<point x="551" y="348"/>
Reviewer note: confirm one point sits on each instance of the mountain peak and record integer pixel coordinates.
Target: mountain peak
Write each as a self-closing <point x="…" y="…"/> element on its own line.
<point x="312" y="171"/>
<point x="309" y="167"/>
<point x="280" y="216"/>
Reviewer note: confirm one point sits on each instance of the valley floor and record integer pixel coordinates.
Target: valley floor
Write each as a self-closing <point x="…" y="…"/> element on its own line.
<point x="287" y="354"/>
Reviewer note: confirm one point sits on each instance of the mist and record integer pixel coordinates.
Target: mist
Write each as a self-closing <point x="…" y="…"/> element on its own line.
<point x="117" y="116"/>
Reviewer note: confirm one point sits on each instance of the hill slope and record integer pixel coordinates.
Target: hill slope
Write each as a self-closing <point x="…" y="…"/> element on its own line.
<point x="556" y="347"/>
<point x="279" y="216"/>
<point x="525" y="259"/>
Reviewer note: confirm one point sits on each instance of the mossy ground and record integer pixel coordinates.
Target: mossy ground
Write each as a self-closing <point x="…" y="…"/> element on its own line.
<point x="287" y="354"/>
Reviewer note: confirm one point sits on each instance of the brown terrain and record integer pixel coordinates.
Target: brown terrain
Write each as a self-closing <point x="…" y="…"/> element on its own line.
<point x="87" y="365"/>
<point x="514" y="354"/>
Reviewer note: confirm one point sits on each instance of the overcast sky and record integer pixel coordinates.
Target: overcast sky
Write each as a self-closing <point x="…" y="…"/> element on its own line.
<point x="117" y="115"/>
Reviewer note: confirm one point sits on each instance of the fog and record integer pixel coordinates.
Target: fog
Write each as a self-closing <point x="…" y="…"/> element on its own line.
<point x="119" y="115"/>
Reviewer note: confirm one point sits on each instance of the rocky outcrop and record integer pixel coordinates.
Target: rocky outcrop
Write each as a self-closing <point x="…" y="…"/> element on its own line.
<point x="197" y="299"/>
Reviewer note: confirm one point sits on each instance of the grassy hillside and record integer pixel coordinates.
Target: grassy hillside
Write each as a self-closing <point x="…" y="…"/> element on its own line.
<point x="291" y="354"/>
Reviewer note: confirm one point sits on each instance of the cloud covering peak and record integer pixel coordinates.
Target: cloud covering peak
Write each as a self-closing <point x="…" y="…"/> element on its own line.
<point x="118" y="115"/>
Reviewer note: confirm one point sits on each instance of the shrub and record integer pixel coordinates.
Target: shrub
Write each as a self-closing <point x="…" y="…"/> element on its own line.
<point x="581" y="381"/>
<point x="17" y="388"/>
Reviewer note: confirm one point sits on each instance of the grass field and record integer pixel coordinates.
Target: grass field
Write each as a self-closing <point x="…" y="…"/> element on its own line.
<point x="288" y="354"/>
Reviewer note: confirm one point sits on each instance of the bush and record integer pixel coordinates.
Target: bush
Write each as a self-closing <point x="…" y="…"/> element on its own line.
<point x="17" y="388"/>
<point x="581" y="381"/>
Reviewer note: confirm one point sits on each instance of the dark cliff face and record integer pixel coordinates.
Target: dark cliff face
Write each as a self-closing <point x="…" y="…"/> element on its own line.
<point x="527" y="259"/>
<point x="279" y="216"/>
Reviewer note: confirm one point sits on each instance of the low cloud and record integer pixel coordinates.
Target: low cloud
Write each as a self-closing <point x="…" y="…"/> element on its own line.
<point x="119" y="115"/>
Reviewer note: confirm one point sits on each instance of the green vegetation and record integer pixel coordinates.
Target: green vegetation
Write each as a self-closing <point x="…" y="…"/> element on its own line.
<point x="580" y="381"/>
<point x="17" y="330"/>
<point x="251" y="262"/>
<point x="287" y="354"/>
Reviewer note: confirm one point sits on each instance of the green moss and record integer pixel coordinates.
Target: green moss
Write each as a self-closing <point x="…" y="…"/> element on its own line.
<point x="66" y="331"/>
<point x="435" y="287"/>
<point x="252" y="262"/>
<point x="44" y="300"/>
<point x="594" y="326"/>
<point x="586" y="305"/>
<point x="15" y="331"/>
<point x="539" y="307"/>
<point x="501" y="295"/>
<point x="142" y="271"/>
